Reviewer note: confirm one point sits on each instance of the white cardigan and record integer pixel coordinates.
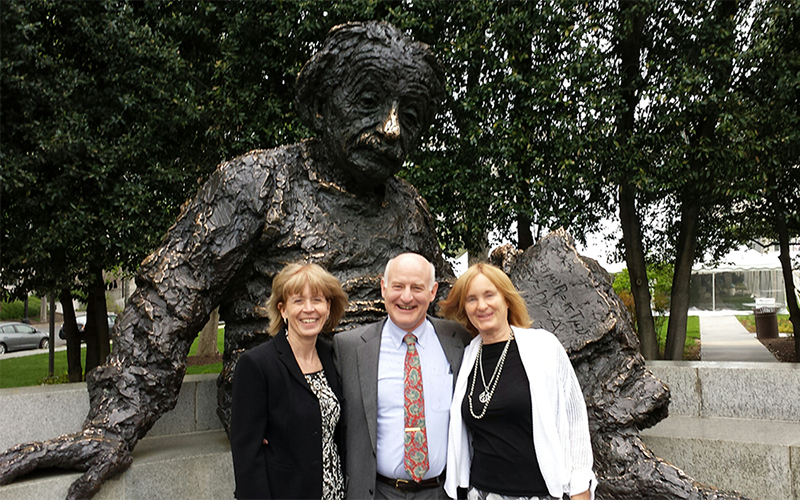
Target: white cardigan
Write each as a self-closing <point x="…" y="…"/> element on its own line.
<point x="560" y="423"/>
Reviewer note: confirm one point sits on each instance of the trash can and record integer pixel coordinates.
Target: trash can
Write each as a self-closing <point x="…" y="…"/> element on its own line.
<point x="766" y="322"/>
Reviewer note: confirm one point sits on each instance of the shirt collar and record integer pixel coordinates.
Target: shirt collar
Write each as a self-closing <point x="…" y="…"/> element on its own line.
<point x="396" y="334"/>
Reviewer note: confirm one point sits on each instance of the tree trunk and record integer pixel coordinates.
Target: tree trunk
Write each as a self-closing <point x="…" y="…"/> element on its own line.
<point x="96" y="329"/>
<point x="682" y="279"/>
<point x="629" y="48"/>
<point x="692" y="200"/>
<point x="25" y="318"/>
<point x="51" y="353"/>
<point x="43" y="307"/>
<point x="788" y="280"/>
<point x="524" y="234"/>
<point x="637" y="269"/>
<point x="101" y="317"/>
<point x="74" y="368"/>
<point x="207" y="342"/>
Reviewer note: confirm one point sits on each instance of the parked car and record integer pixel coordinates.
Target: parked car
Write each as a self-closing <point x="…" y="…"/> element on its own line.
<point x="81" y="320"/>
<point x="18" y="336"/>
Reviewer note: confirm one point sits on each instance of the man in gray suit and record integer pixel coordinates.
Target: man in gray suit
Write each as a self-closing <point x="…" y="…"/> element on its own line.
<point x="371" y="362"/>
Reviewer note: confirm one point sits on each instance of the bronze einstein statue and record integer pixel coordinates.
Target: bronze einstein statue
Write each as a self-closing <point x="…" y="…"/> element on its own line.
<point x="368" y="94"/>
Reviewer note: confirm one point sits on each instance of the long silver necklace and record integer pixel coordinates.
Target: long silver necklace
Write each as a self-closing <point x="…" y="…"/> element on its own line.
<point x="488" y="389"/>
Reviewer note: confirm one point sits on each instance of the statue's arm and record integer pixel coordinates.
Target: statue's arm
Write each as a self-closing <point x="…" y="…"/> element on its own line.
<point x="177" y="288"/>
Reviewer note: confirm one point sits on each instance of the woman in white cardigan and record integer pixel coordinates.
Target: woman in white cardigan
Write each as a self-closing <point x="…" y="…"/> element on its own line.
<point x="508" y="438"/>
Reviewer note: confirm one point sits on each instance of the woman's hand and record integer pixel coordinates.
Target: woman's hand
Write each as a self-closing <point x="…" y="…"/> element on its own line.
<point x="586" y="495"/>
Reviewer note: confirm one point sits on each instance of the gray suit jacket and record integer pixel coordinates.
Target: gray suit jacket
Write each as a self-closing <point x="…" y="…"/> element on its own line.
<point x="356" y="356"/>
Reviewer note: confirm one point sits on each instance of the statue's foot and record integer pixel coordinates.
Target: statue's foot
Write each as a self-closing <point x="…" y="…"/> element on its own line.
<point x="92" y="451"/>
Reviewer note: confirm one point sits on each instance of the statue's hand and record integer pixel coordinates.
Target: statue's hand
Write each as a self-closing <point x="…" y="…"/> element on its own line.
<point x="97" y="453"/>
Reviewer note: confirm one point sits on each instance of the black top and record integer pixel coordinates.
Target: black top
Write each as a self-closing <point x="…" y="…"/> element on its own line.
<point x="504" y="459"/>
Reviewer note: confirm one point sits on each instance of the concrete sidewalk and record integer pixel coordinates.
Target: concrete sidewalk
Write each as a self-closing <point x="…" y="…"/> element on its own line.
<point x="723" y="338"/>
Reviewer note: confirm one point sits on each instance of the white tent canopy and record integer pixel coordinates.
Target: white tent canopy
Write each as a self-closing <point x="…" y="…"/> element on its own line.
<point x="743" y="260"/>
<point x="760" y="274"/>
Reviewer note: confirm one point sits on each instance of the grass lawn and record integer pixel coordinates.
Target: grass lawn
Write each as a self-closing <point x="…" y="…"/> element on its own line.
<point x="32" y="370"/>
<point x="212" y="368"/>
<point x="691" y="350"/>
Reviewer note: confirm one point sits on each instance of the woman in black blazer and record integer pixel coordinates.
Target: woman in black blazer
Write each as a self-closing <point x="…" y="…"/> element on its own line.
<point x="286" y="437"/>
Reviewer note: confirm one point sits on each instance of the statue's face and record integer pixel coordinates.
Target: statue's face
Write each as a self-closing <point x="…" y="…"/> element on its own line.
<point x="375" y="117"/>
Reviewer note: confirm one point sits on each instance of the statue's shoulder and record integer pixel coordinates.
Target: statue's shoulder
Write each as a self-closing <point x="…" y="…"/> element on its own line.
<point x="281" y="158"/>
<point x="259" y="172"/>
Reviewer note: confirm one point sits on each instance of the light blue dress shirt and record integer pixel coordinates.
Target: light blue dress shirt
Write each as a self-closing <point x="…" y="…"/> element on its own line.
<point x="437" y="389"/>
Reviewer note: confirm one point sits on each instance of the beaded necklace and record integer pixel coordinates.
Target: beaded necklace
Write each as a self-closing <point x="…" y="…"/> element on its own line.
<point x="488" y="389"/>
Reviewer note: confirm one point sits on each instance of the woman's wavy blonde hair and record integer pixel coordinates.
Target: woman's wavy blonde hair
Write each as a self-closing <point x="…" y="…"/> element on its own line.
<point x="292" y="279"/>
<point x="453" y="306"/>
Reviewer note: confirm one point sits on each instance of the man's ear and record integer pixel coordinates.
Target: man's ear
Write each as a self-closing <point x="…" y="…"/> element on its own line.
<point x="434" y="289"/>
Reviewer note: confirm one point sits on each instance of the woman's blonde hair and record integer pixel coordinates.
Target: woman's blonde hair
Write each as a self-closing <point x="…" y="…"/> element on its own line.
<point x="453" y="306"/>
<point x="292" y="279"/>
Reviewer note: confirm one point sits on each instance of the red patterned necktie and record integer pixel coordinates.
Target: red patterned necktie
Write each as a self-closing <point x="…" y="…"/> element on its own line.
<point x="416" y="440"/>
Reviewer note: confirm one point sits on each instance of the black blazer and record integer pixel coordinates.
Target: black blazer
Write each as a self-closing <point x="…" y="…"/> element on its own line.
<point x="272" y="401"/>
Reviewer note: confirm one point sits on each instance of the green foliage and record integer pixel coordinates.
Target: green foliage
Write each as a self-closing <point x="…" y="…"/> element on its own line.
<point x="770" y="91"/>
<point x="209" y="368"/>
<point x="98" y="123"/>
<point x="55" y="379"/>
<point x="660" y="283"/>
<point x="200" y="369"/>
<point x="15" y="310"/>
<point x="512" y="145"/>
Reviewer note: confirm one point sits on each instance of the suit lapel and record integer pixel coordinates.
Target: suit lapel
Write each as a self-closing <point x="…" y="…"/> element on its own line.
<point x="368" y="354"/>
<point x="451" y="343"/>
<point x="328" y="367"/>
<point x="286" y="356"/>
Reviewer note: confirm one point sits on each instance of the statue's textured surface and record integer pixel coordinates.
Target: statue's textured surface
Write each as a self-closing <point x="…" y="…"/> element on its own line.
<point x="572" y="297"/>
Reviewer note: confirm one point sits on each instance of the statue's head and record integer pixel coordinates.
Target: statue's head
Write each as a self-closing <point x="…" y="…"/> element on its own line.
<point x="370" y="92"/>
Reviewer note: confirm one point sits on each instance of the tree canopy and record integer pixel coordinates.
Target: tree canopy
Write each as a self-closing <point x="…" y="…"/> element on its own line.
<point x="680" y="116"/>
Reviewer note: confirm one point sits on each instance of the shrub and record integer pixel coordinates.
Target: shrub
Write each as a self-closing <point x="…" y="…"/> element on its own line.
<point x="15" y="311"/>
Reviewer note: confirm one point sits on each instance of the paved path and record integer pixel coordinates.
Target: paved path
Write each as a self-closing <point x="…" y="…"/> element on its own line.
<point x="30" y="352"/>
<point x="723" y="338"/>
